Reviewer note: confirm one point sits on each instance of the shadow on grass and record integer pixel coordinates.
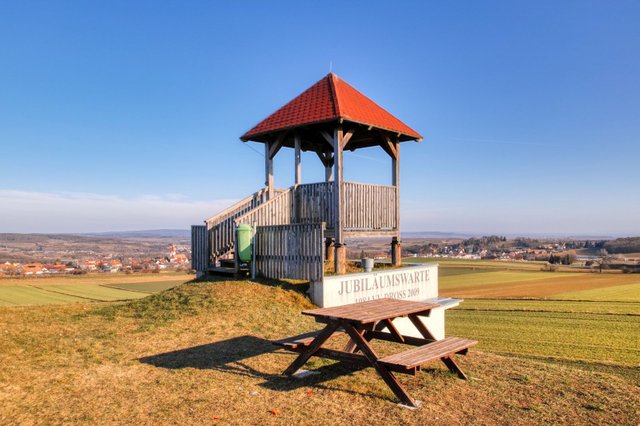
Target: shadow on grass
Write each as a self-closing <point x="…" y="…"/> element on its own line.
<point x="228" y="356"/>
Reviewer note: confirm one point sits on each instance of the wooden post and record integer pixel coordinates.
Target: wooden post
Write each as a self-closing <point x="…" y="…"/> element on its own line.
<point x="340" y="259"/>
<point x="396" y="252"/>
<point x="328" y="170"/>
<point x="329" y="250"/>
<point x="340" y="248"/>
<point x="268" y="169"/>
<point x="396" y="247"/>
<point x="298" y="165"/>
<point x="395" y="181"/>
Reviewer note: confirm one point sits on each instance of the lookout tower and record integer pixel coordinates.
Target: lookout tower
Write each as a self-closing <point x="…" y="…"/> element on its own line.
<point x="328" y="118"/>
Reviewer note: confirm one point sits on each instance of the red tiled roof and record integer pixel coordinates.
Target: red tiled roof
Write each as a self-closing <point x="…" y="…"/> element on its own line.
<point x="330" y="99"/>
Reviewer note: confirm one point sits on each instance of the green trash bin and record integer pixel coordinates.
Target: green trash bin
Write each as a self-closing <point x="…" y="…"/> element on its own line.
<point x="244" y="234"/>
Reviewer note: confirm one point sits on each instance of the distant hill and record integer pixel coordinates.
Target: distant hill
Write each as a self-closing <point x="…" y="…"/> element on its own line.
<point x="465" y="235"/>
<point x="623" y="245"/>
<point x="437" y="234"/>
<point x="149" y="233"/>
<point x="74" y="247"/>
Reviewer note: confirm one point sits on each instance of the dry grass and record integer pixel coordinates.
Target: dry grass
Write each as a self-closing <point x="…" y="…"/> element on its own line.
<point x="199" y="354"/>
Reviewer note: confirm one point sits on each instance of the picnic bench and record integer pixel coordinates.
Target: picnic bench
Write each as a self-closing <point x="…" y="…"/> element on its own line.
<point x="365" y="321"/>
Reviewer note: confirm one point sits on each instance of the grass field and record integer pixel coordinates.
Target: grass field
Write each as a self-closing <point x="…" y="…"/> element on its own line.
<point x="487" y="283"/>
<point x="559" y="348"/>
<point x="625" y="292"/>
<point x="85" y="288"/>
<point x="200" y="354"/>
<point x="480" y="264"/>
<point x="584" y="318"/>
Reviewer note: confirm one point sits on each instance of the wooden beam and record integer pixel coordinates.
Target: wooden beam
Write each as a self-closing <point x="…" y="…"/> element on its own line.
<point x="388" y="145"/>
<point x="276" y="145"/>
<point x="268" y="170"/>
<point x="327" y="137"/>
<point x="346" y="137"/>
<point x="298" y="164"/>
<point x="322" y="158"/>
<point x="395" y="165"/>
<point x="327" y="162"/>
<point x="395" y="181"/>
<point x="337" y="184"/>
<point x="328" y="168"/>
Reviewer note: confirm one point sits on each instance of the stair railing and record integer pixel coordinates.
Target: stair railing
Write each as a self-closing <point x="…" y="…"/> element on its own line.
<point x="276" y="211"/>
<point x="221" y="227"/>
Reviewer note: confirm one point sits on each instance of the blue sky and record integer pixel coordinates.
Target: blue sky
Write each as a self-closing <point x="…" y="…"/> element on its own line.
<point x="126" y="115"/>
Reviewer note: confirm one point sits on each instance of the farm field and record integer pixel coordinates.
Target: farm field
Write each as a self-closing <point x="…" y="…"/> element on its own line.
<point x="557" y="348"/>
<point x="201" y="354"/>
<point x="481" y="264"/>
<point x="487" y="283"/>
<point x="85" y="288"/>
<point x="571" y="317"/>
<point x="583" y="336"/>
<point x="628" y="292"/>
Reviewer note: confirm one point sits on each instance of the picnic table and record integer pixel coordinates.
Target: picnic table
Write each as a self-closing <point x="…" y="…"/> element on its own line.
<point x="366" y="321"/>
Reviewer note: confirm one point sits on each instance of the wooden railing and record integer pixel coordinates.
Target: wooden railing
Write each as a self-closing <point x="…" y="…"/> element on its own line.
<point x="365" y="207"/>
<point x="276" y="211"/>
<point x="290" y="251"/>
<point x="221" y="227"/>
<point x="369" y="207"/>
<point x="313" y="203"/>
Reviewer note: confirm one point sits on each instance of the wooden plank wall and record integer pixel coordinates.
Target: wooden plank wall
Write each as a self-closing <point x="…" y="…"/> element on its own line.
<point x="313" y="203"/>
<point x="290" y="251"/>
<point x="369" y="207"/>
<point x="199" y="247"/>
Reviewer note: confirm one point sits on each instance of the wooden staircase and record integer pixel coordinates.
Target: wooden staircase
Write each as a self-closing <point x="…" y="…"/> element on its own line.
<point x="256" y="208"/>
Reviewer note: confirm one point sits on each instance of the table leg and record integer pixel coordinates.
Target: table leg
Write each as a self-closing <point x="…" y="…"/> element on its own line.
<point x="393" y="330"/>
<point x="453" y="367"/>
<point x="351" y="346"/>
<point x="313" y="347"/>
<point x="383" y="372"/>
<point x="421" y="327"/>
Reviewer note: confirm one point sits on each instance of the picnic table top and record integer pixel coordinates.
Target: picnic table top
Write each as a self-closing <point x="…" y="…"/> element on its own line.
<point x="372" y="310"/>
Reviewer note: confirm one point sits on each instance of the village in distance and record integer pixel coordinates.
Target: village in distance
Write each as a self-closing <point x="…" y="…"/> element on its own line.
<point x="170" y="250"/>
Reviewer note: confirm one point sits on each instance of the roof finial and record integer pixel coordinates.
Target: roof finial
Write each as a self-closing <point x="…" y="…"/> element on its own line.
<point x="330" y="66"/>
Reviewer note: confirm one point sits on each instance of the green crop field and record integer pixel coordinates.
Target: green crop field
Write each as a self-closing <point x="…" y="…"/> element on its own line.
<point x="89" y="288"/>
<point x="573" y="317"/>
<point x="627" y="292"/>
<point x="94" y="292"/>
<point x="585" y="336"/>
<point x="146" y="287"/>
<point x="561" y="306"/>
<point x="28" y="295"/>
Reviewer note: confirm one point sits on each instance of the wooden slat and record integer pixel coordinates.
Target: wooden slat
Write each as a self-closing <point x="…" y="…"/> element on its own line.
<point x="199" y="248"/>
<point x="417" y="356"/>
<point x="290" y="251"/>
<point x="373" y="310"/>
<point x="369" y="207"/>
<point x="303" y="339"/>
